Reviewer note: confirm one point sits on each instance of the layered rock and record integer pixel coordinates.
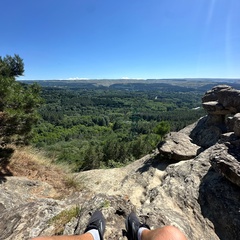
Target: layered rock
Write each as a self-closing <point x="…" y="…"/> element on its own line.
<point x="222" y="102"/>
<point x="178" y="146"/>
<point x="235" y="124"/>
<point x="224" y="98"/>
<point x="225" y="160"/>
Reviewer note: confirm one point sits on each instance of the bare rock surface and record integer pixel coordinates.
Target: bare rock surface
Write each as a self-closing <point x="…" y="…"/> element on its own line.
<point x="204" y="134"/>
<point x="29" y="219"/>
<point x="161" y="193"/>
<point x="15" y="191"/>
<point x="236" y="124"/>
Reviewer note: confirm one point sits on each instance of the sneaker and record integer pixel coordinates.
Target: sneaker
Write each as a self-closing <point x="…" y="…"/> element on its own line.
<point x="132" y="226"/>
<point x="97" y="221"/>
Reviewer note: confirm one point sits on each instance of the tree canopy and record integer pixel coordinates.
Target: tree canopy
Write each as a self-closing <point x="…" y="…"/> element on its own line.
<point x="162" y="128"/>
<point x="18" y="102"/>
<point x="92" y="127"/>
<point x="11" y="66"/>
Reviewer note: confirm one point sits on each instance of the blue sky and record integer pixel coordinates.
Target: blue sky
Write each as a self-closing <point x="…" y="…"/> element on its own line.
<point x="66" y="39"/>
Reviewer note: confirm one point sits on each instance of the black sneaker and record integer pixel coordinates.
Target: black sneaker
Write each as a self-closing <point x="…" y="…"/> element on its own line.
<point x="132" y="226"/>
<point x="97" y="221"/>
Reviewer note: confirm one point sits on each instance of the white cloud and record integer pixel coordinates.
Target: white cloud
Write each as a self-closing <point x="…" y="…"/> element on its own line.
<point x="128" y="78"/>
<point x="77" y="78"/>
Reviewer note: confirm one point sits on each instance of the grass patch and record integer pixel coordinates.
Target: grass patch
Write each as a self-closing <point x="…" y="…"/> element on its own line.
<point x="64" y="217"/>
<point x="71" y="182"/>
<point x="105" y="204"/>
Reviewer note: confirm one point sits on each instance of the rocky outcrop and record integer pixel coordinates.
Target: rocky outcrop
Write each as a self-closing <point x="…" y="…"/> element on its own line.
<point x="204" y="134"/>
<point x="222" y="102"/>
<point x="225" y="160"/>
<point x="178" y="146"/>
<point x="234" y="124"/>
<point x="224" y="98"/>
<point x="199" y="194"/>
<point x="188" y="194"/>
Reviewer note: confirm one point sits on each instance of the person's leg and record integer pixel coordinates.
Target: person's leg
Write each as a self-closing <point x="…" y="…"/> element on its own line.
<point x="85" y="236"/>
<point x="138" y="231"/>
<point x="164" y="233"/>
<point x="94" y="230"/>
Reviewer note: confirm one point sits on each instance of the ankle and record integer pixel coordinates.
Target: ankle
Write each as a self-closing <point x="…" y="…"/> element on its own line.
<point x="94" y="233"/>
<point x="87" y="236"/>
<point x="142" y="232"/>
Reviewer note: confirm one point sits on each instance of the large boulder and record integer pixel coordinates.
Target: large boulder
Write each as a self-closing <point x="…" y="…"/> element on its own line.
<point x="225" y="160"/>
<point x="205" y="134"/>
<point x="226" y="99"/>
<point x="219" y="102"/>
<point x="215" y="108"/>
<point x="220" y="202"/>
<point x="236" y="124"/>
<point x="178" y="146"/>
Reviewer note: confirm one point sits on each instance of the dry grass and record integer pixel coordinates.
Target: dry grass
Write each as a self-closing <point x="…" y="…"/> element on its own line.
<point x="30" y="163"/>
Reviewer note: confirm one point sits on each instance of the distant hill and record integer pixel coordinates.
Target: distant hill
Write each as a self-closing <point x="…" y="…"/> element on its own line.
<point x="183" y="85"/>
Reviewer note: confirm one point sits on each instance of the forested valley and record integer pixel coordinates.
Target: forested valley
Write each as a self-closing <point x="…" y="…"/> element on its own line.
<point x="89" y="124"/>
<point x="103" y="127"/>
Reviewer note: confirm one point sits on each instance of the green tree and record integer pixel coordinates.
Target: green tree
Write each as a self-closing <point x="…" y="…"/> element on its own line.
<point x="18" y="102"/>
<point x="162" y="128"/>
<point x="93" y="157"/>
<point x="11" y="66"/>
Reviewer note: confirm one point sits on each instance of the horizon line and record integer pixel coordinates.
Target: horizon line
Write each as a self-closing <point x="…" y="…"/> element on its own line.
<point x="126" y="79"/>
